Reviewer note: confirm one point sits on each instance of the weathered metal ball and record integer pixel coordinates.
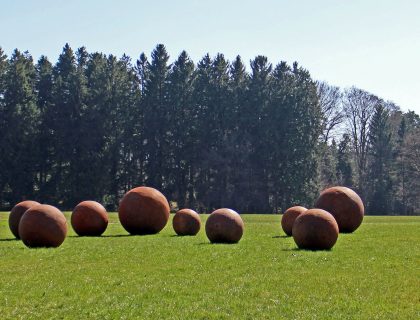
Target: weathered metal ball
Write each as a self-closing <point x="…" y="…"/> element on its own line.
<point x="89" y="218"/>
<point x="224" y="226"/>
<point x="345" y="205"/>
<point x="43" y="226"/>
<point x="315" y="229"/>
<point x="186" y="222"/>
<point x="17" y="213"/>
<point x="289" y="218"/>
<point x="143" y="210"/>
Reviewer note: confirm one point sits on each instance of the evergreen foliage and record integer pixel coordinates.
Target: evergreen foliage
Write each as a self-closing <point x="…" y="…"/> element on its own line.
<point x="208" y="135"/>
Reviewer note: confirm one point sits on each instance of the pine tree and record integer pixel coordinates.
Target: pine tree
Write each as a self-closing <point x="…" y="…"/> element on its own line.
<point x="19" y="128"/>
<point x="44" y="84"/>
<point x="3" y="124"/>
<point x="379" y="181"/>
<point x="344" y="162"/>
<point x="156" y="116"/>
<point x="256" y="131"/>
<point x="69" y="93"/>
<point x="239" y="165"/>
<point x="183" y="129"/>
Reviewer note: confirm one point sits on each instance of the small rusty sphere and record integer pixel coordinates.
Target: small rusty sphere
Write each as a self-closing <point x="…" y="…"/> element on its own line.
<point x="186" y="222"/>
<point x="345" y="205"/>
<point x="315" y="229"/>
<point x="89" y="218"/>
<point x="43" y="226"/>
<point x="143" y="210"/>
<point x="224" y="226"/>
<point x="17" y="213"/>
<point x="289" y="218"/>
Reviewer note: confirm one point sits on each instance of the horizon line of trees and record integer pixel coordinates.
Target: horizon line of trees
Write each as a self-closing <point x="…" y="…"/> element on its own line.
<point x="207" y="135"/>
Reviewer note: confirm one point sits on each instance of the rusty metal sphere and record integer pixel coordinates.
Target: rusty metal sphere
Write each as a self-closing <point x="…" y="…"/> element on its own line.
<point x="186" y="222"/>
<point x="43" y="226"/>
<point x="315" y="229"/>
<point x="89" y="218"/>
<point x="224" y="226"/>
<point x="289" y="218"/>
<point x="345" y="205"/>
<point x="17" y="213"/>
<point x="143" y="210"/>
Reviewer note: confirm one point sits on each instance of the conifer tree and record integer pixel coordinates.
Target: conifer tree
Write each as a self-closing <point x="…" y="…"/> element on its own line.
<point x="19" y="127"/>
<point x="156" y="115"/>
<point x="183" y="128"/>
<point x="381" y="161"/>
<point x="43" y="86"/>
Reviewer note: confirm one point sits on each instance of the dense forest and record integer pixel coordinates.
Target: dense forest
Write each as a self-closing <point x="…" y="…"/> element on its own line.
<point x="213" y="134"/>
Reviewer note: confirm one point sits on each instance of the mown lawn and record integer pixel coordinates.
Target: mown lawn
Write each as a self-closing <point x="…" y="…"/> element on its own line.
<point x="371" y="274"/>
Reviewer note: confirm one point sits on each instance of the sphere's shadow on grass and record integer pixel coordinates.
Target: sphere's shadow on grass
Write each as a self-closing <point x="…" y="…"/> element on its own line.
<point x="104" y="236"/>
<point x="216" y="243"/>
<point x="306" y="250"/>
<point x="9" y="239"/>
<point x="280" y="237"/>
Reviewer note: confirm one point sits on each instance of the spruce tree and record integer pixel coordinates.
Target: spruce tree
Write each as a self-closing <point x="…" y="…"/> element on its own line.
<point x="379" y="181"/>
<point x="44" y="85"/>
<point x="344" y="162"/>
<point x="156" y="116"/>
<point x="3" y="123"/>
<point x="183" y="129"/>
<point x="19" y="128"/>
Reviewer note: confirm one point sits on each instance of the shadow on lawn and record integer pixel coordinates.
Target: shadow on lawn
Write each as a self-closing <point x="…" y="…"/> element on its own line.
<point x="215" y="243"/>
<point x="104" y="236"/>
<point x="9" y="239"/>
<point x="180" y="236"/>
<point x="281" y="237"/>
<point x="306" y="250"/>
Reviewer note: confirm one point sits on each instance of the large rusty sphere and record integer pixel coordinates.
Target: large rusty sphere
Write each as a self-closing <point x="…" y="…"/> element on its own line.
<point x="289" y="218"/>
<point x="186" y="222"/>
<point x="43" y="226"/>
<point x="224" y="226"/>
<point x="345" y="205"/>
<point x="89" y="218"/>
<point x="17" y="213"/>
<point x="143" y="210"/>
<point x="315" y="229"/>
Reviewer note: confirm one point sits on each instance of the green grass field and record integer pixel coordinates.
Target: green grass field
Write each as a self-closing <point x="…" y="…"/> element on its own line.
<point x="371" y="274"/>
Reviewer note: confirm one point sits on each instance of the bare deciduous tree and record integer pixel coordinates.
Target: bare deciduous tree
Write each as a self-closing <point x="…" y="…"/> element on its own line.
<point x="330" y="99"/>
<point x="359" y="106"/>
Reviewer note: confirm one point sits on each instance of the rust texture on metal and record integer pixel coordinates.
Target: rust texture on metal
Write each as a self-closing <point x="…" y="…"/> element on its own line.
<point x="345" y="205"/>
<point x="17" y="213"/>
<point x="43" y="226"/>
<point x="315" y="229"/>
<point x="224" y="226"/>
<point x="89" y="218"/>
<point x="143" y="210"/>
<point x="186" y="222"/>
<point x="289" y="218"/>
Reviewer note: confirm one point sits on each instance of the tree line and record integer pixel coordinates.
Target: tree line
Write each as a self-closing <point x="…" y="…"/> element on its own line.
<point x="208" y="135"/>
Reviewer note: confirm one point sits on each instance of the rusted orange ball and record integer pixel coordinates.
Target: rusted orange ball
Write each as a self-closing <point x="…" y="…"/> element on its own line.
<point x="186" y="222"/>
<point x="289" y="218"/>
<point x="17" y="213"/>
<point x="315" y="229"/>
<point x="89" y="218"/>
<point x="345" y="205"/>
<point x="143" y="210"/>
<point x="43" y="226"/>
<point x="224" y="226"/>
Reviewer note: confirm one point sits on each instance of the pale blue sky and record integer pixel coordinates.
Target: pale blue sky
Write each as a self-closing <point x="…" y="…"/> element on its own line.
<point x="374" y="45"/>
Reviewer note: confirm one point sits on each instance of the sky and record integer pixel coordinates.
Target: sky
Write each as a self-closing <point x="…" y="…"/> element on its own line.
<point x="371" y="44"/>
